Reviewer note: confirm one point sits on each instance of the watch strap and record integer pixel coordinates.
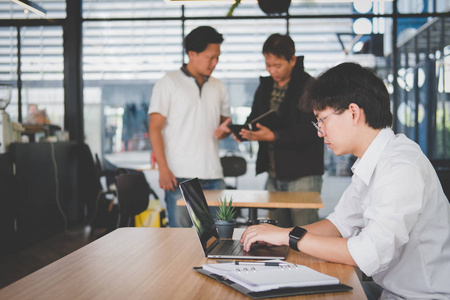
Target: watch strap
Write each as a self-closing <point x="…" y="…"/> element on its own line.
<point x="296" y="235"/>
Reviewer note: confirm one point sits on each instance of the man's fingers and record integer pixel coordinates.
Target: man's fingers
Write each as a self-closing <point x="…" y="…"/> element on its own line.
<point x="249" y="242"/>
<point x="249" y="238"/>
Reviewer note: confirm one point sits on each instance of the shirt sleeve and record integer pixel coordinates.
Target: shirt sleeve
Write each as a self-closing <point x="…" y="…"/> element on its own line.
<point x="161" y="98"/>
<point x="348" y="213"/>
<point x="390" y="211"/>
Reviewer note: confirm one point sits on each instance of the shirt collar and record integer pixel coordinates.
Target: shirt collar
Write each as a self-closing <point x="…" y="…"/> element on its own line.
<point x="186" y="72"/>
<point x="364" y="167"/>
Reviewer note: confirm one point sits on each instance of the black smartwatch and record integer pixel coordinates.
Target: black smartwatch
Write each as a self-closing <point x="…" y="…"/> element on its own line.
<point x="296" y="235"/>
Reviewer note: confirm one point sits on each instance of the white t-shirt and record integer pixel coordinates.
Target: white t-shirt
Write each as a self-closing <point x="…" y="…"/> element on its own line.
<point x="192" y="114"/>
<point x="397" y="219"/>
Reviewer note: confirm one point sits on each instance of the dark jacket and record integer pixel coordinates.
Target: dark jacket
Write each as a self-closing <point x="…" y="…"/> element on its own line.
<point x="298" y="148"/>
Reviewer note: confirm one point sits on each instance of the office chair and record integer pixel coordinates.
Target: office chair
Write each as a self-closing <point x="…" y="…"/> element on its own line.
<point x="106" y="214"/>
<point x="133" y="194"/>
<point x="98" y="198"/>
<point x="90" y="187"/>
<point x="233" y="166"/>
<point x="106" y="175"/>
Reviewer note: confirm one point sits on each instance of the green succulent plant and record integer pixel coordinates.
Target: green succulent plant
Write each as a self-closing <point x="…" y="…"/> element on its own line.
<point x="226" y="210"/>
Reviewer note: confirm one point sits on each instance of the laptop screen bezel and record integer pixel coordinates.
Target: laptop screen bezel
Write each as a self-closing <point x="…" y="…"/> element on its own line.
<point x="196" y="205"/>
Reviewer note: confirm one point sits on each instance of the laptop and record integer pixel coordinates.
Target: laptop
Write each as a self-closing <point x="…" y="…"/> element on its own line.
<point x="208" y="235"/>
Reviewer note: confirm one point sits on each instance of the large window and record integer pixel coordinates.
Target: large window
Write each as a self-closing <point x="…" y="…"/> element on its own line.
<point x="121" y="63"/>
<point x="128" y="45"/>
<point x="31" y="57"/>
<point x="122" y="59"/>
<point x="423" y="109"/>
<point x="56" y="9"/>
<point x="41" y="71"/>
<point x="8" y="65"/>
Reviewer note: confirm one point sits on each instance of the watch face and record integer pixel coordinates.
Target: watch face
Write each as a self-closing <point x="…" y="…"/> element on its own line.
<point x="298" y="231"/>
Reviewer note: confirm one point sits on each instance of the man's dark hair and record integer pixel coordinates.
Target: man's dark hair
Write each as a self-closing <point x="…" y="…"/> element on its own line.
<point x="199" y="38"/>
<point x="279" y="45"/>
<point x="351" y="83"/>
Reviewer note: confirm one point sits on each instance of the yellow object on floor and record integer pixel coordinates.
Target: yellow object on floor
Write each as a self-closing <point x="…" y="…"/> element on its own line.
<point x="154" y="216"/>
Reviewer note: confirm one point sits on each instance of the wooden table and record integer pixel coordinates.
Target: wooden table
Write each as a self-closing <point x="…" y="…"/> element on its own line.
<point x="263" y="199"/>
<point x="149" y="263"/>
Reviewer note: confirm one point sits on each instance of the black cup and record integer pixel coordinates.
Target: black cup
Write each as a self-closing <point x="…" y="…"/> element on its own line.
<point x="261" y="221"/>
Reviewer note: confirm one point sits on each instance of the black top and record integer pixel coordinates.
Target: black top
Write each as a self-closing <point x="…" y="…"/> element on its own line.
<point x="298" y="149"/>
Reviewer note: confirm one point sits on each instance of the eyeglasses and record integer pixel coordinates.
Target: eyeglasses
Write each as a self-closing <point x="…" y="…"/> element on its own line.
<point x="316" y="124"/>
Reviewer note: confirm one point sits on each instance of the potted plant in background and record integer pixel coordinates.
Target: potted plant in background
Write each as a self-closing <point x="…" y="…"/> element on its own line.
<point x="225" y="221"/>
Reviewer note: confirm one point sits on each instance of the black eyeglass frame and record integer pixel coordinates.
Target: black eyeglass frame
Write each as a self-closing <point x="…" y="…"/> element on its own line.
<point x="316" y="124"/>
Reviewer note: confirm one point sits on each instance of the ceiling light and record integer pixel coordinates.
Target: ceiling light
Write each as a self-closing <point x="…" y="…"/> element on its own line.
<point x="29" y="5"/>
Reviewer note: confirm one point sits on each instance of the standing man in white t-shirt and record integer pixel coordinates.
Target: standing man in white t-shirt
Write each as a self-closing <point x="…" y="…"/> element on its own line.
<point x="189" y="112"/>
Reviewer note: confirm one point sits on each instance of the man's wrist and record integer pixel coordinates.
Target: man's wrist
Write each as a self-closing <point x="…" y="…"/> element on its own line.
<point x="295" y="235"/>
<point x="275" y="136"/>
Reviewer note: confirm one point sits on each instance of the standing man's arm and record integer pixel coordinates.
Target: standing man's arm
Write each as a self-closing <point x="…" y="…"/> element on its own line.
<point x="223" y="131"/>
<point x="167" y="180"/>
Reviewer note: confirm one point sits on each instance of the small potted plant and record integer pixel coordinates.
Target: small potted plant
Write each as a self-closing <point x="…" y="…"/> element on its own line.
<point x="225" y="221"/>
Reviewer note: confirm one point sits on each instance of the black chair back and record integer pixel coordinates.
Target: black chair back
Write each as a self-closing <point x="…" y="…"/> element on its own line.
<point x="133" y="193"/>
<point x="89" y="181"/>
<point x="233" y="166"/>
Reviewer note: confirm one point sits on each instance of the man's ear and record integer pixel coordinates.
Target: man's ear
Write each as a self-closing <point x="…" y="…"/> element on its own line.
<point x="191" y="54"/>
<point x="293" y="60"/>
<point x="356" y="112"/>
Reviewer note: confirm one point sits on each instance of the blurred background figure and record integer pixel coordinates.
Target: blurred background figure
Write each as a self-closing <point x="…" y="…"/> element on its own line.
<point x="189" y="112"/>
<point x="290" y="150"/>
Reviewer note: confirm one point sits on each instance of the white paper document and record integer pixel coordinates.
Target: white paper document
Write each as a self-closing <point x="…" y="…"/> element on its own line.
<point x="263" y="278"/>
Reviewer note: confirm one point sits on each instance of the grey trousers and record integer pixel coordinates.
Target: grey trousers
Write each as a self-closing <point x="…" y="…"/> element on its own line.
<point x="287" y="217"/>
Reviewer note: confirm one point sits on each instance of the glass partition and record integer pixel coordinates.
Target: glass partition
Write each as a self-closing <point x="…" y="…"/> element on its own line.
<point x="121" y="63"/>
<point x="129" y="45"/>
<point x="8" y="66"/>
<point x="122" y="59"/>
<point x="423" y="111"/>
<point x="55" y="9"/>
<point x="107" y="9"/>
<point x="41" y="67"/>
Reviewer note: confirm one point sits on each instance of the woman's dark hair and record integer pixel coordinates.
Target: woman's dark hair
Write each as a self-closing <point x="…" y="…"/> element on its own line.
<point x="279" y="45"/>
<point x="199" y="38"/>
<point x="351" y="83"/>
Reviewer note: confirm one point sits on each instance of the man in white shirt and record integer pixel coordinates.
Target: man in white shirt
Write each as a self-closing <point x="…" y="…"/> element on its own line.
<point x="189" y="112"/>
<point x="393" y="221"/>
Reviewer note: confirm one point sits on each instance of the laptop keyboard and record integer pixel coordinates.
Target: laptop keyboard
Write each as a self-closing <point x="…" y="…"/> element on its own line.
<point x="228" y="247"/>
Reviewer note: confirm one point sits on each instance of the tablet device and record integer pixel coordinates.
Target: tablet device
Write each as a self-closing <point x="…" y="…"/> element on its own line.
<point x="235" y="129"/>
<point x="268" y="119"/>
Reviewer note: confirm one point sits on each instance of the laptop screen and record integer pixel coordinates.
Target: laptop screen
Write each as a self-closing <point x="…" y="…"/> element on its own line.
<point x="198" y="210"/>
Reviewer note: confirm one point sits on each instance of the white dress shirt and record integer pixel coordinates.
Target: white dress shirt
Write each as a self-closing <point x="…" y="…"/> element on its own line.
<point x="397" y="220"/>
